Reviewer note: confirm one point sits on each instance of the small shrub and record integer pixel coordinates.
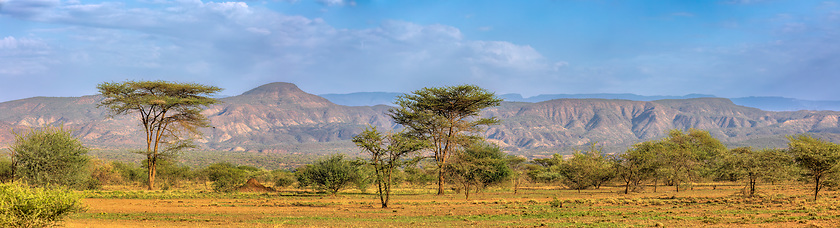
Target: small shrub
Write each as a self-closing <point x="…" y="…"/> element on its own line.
<point x="332" y="174"/>
<point x="6" y="169"/>
<point x="226" y="177"/>
<point x="556" y="203"/>
<point x="21" y="206"/>
<point x="130" y="172"/>
<point x="283" y="178"/>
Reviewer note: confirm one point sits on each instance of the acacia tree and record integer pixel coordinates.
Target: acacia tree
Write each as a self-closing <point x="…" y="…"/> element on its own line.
<point x="686" y="156"/>
<point x="820" y="158"/>
<point x="167" y="111"/>
<point x="478" y="165"/>
<point x="386" y="153"/>
<point x="744" y="162"/>
<point x="445" y="117"/>
<point x="637" y="164"/>
<point x="586" y="168"/>
<point x="518" y="168"/>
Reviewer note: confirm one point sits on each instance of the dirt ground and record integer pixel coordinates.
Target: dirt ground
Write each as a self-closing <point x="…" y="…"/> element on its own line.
<point x="707" y="206"/>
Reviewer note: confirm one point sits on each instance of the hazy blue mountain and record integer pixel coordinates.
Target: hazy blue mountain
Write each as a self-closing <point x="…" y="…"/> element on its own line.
<point x="786" y="104"/>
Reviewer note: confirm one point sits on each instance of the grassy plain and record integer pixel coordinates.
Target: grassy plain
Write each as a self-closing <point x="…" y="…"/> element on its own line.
<point x="707" y="206"/>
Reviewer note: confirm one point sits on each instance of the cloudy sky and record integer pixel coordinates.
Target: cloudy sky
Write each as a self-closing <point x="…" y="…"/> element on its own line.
<point x="727" y="48"/>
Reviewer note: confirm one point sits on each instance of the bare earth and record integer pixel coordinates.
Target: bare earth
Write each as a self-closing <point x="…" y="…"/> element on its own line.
<point x="705" y="206"/>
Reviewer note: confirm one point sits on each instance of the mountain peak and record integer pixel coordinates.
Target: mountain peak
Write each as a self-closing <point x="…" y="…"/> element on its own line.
<point x="274" y="88"/>
<point x="282" y="92"/>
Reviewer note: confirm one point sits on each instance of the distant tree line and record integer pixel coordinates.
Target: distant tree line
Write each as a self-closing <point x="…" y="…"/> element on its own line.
<point x="683" y="158"/>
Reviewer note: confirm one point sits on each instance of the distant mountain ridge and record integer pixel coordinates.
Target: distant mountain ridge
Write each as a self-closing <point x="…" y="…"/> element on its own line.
<point x="763" y="103"/>
<point x="274" y="117"/>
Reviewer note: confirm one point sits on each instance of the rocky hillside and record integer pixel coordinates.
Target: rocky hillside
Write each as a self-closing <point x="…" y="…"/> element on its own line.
<point x="277" y="114"/>
<point x="575" y="122"/>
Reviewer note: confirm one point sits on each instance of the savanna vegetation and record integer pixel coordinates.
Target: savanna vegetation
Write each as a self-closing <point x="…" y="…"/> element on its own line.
<point x="685" y="179"/>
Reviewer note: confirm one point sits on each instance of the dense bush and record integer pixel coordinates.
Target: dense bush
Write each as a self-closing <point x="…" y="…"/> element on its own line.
<point x="50" y="156"/>
<point x="330" y="175"/>
<point x="130" y="172"/>
<point x="420" y="175"/>
<point x="102" y="173"/>
<point x="226" y="177"/>
<point x="283" y="178"/>
<point x="6" y="170"/>
<point x="21" y="206"/>
<point x="170" y="174"/>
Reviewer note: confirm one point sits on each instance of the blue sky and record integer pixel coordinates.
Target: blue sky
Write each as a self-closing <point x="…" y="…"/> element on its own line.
<point x="727" y="48"/>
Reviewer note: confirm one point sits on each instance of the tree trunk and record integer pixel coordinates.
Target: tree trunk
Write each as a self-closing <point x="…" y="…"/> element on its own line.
<point x="626" y="187"/>
<point x="440" y="180"/>
<point x="816" y="186"/>
<point x="516" y="185"/>
<point x="152" y="174"/>
<point x="467" y="191"/>
<point x="387" y="190"/>
<point x="677" y="184"/>
<point x="654" y="183"/>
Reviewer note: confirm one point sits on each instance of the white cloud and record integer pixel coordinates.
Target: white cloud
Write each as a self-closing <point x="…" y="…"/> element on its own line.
<point x="337" y="2"/>
<point x="27" y="8"/>
<point x="227" y="42"/>
<point x="12" y="43"/>
<point x="505" y="54"/>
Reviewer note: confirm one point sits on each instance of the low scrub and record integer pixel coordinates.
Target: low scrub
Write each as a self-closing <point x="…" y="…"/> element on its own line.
<point x="22" y="206"/>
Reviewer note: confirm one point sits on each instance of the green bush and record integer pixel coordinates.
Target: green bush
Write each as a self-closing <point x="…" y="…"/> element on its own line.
<point x="226" y="177"/>
<point x="21" y="206"/>
<point x="420" y="176"/>
<point x="6" y="169"/>
<point x="331" y="175"/>
<point x="130" y="172"/>
<point x="283" y="178"/>
<point x="50" y="156"/>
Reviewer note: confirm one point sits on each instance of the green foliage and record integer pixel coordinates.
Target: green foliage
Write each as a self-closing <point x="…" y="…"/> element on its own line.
<point x="331" y="175"/>
<point x="226" y="177"/>
<point x="172" y="174"/>
<point x="518" y="168"/>
<point x="386" y="154"/>
<point x="745" y="163"/>
<point x="7" y="169"/>
<point x="445" y="117"/>
<point x="638" y="164"/>
<point x="21" y="206"/>
<point x="103" y="173"/>
<point x="419" y="175"/>
<point x="544" y="170"/>
<point x="283" y="178"/>
<point x="167" y="111"/>
<point x="819" y="158"/>
<point x="586" y="169"/>
<point x="50" y="156"/>
<point x="129" y="172"/>
<point x="689" y="156"/>
<point x="478" y="166"/>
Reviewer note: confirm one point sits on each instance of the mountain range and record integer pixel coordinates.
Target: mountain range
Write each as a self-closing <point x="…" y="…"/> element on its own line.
<point x="763" y="103"/>
<point x="275" y="117"/>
